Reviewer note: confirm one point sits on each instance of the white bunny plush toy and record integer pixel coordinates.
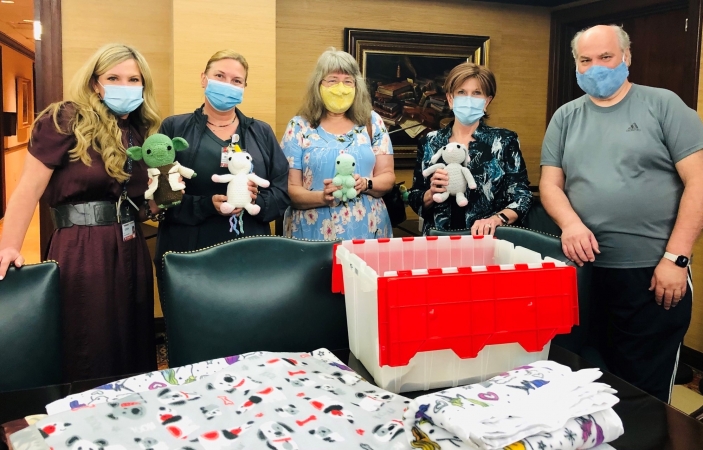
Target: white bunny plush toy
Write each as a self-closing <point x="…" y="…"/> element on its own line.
<point x="241" y="172"/>
<point x="456" y="157"/>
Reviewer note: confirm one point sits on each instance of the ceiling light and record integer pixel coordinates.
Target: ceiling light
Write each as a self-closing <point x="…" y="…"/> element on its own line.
<point x="28" y="21"/>
<point x="37" y="30"/>
<point x="7" y="1"/>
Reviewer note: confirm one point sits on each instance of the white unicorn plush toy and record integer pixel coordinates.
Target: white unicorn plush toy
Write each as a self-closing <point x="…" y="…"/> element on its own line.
<point x="241" y="171"/>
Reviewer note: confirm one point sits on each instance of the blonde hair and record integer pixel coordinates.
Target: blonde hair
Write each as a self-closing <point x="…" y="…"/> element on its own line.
<point x="93" y="124"/>
<point x="336" y="61"/>
<point x="228" y="54"/>
<point x="465" y="71"/>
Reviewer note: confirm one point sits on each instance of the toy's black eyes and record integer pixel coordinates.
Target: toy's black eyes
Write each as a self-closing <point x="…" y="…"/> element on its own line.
<point x="148" y="151"/>
<point x="168" y="148"/>
<point x="248" y="158"/>
<point x="338" y="162"/>
<point x="353" y="164"/>
<point x="230" y="158"/>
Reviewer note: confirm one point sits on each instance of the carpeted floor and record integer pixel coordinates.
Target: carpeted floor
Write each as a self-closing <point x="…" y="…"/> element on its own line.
<point x="161" y="355"/>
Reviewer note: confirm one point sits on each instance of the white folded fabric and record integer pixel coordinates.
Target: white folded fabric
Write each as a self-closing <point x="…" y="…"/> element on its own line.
<point x="544" y="399"/>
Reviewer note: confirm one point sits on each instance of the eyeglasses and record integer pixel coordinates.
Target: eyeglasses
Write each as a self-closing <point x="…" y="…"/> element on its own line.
<point x="332" y="81"/>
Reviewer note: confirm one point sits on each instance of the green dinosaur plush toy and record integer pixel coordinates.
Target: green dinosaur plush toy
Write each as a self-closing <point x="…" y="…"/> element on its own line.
<point x="159" y="154"/>
<point x="345" y="164"/>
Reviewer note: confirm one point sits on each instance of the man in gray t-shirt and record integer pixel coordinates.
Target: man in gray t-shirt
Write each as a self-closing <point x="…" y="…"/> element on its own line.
<point x="622" y="175"/>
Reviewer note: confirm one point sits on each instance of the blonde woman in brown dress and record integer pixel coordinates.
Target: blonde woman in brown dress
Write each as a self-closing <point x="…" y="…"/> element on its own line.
<point x="77" y="163"/>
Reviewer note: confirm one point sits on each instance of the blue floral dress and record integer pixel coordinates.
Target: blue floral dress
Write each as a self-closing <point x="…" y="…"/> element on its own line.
<point x="313" y="151"/>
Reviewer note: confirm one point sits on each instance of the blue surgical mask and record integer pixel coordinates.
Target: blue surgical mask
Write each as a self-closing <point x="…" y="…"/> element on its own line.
<point x="122" y="99"/>
<point x="223" y="96"/>
<point x="602" y="82"/>
<point x="467" y="109"/>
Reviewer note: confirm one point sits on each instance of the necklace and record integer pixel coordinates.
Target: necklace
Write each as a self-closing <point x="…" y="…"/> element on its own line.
<point x="222" y="126"/>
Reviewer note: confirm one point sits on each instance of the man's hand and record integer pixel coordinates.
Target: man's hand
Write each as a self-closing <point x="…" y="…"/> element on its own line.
<point x="579" y="244"/>
<point x="669" y="283"/>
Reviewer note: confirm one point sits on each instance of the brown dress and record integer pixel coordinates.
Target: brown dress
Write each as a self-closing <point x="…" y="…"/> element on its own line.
<point x="107" y="289"/>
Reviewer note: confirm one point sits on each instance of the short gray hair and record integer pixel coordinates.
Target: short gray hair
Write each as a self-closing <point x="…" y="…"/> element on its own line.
<point x="623" y="39"/>
<point x="333" y="61"/>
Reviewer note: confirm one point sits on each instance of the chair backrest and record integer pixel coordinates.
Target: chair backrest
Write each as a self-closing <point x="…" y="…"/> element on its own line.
<point x="537" y="219"/>
<point x="548" y="245"/>
<point x="266" y="293"/>
<point x="30" y="327"/>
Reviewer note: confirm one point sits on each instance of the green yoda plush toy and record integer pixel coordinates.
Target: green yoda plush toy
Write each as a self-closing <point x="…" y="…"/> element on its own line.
<point x="345" y="164"/>
<point x="159" y="154"/>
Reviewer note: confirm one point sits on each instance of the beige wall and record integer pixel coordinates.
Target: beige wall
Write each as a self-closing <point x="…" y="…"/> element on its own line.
<point x="177" y="37"/>
<point x="203" y="27"/>
<point x="14" y="64"/>
<point x="147" y="25"/>
<point x="519" y="52"/>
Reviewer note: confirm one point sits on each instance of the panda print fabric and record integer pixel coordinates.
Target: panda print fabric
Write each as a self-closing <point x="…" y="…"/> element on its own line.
<point x="260" y="400"/>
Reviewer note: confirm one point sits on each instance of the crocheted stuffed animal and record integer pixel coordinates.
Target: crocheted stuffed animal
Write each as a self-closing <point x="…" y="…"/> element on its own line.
<point x="159" y="154"/>
<point x="345" y="164"/>
<point x="455" y="156"/>
<point x="241" y="171"/>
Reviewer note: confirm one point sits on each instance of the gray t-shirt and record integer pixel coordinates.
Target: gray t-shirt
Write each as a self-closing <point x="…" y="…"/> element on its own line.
<point x="618" y="162"/>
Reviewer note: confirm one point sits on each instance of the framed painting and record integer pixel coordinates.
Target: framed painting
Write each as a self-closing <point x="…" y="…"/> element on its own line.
<point x="24" y="103"/>
<point x="405" y="74"/>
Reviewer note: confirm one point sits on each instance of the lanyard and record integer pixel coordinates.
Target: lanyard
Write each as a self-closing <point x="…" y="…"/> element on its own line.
<point x="128" y="169"/>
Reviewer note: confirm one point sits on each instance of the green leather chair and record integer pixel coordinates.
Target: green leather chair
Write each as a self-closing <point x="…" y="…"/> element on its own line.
<point x="30" y="327"/>
<point x="549" y="245"/>
<point x="266" y="293"/>
<point x="537" y="219"/>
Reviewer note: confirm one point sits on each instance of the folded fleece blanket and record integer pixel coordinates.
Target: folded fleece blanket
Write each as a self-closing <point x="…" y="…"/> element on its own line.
<point x="257" y="401"/>
<point x="541" y="406"/>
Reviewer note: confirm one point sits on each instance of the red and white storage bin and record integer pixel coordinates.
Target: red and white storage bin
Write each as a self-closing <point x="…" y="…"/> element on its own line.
<point x="441" y="311"/>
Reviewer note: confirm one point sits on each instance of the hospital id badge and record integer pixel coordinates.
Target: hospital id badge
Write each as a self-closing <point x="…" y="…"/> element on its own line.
<point x="224" y="157"/>
<point x="129" y="230"/>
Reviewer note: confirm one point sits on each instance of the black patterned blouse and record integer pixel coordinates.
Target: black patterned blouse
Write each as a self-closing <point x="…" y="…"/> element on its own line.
<point x="498" y="168"/>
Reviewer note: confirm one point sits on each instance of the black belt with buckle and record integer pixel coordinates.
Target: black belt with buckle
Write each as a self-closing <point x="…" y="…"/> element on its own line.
<point x="91" y="214"/>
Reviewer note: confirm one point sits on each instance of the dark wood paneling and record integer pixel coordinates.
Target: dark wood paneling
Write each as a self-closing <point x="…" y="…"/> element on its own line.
<point x="545" y="3"/>
<point x="49" y="84"/>
<point x="566" y="22"/>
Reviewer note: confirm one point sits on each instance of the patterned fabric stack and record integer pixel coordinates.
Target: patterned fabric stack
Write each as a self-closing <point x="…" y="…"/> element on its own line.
<point x="255" y="401"/>
<point x="541" y="406"/>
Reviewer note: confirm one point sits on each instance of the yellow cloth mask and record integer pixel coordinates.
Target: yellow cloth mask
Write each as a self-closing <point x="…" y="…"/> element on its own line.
<point x="337" y="98"/>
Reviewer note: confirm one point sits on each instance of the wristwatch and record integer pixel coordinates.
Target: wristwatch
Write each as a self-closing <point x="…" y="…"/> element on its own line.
<point x="503" y="218"/>
<point x="681" y="260"/>
<point x="369" y="184"/>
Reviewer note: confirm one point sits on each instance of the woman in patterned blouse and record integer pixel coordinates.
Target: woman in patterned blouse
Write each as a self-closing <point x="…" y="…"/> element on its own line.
<point x="502" y="195"/>
<point x="335" y="118"/>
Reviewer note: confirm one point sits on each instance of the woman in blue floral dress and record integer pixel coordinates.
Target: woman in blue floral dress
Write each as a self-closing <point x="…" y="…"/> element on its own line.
<point x="335" y="119"/>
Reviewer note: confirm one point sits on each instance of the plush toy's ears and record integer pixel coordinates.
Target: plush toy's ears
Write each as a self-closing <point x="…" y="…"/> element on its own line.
<point x="180" y="144"/>
<point x="135" y="153"/>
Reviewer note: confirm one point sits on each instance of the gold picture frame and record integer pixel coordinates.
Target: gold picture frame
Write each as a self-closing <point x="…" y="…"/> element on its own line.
<point x="25" y="109"/>
<point x="389" y="59"/>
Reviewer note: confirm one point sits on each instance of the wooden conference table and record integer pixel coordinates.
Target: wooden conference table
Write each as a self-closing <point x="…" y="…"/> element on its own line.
<point x="649" y="423"/>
